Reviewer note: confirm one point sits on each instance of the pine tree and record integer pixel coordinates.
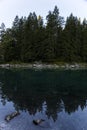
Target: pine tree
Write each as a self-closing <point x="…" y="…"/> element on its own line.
<point x="54" y="27"/>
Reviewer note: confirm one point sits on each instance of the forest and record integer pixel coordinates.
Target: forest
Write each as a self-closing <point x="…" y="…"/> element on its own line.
<point x="34" y="39"/>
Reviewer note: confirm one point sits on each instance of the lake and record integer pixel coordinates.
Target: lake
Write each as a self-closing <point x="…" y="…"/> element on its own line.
<point x="57" y="96"/>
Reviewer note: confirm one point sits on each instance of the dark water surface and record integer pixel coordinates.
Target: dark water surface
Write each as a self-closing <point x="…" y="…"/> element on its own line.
<point x="57" y="96"/>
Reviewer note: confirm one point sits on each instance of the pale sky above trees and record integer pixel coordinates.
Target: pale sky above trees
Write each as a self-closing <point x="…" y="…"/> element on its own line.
<point x="9" y="8"/>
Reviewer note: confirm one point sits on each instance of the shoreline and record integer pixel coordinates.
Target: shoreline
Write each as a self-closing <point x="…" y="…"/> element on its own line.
<point x="67" y="66"/>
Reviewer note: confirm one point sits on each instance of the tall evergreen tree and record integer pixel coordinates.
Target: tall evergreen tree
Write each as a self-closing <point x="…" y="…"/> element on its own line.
<point x="83" y="46"/>
<point x="54" y="26"/>
<point x="28" y="48"/>
<point x="70" y="43"/>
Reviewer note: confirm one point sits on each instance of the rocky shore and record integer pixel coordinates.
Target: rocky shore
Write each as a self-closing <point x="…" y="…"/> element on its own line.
<point x="38" y="65"/>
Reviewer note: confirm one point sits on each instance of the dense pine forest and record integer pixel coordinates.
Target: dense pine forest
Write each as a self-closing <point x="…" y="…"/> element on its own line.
<point x="34" y="39"/>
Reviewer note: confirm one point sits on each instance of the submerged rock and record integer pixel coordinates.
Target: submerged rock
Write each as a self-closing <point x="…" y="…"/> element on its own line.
<point x="42" y="123"/>
<point x="39" y="121"/>
<point x="11" y="116"/>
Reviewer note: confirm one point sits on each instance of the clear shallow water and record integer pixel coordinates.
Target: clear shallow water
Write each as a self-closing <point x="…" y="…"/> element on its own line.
<point x="58" y="96"/>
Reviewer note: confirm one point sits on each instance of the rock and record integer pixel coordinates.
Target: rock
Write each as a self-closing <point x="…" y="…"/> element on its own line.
<point x="11" y="116"/>
<point x="39" y="121"/>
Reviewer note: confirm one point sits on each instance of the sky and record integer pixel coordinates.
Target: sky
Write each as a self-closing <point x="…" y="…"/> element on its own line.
<point x="10" y="8"/>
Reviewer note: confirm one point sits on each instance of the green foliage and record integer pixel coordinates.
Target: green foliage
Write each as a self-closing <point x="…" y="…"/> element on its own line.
<point x="30" y="39"/>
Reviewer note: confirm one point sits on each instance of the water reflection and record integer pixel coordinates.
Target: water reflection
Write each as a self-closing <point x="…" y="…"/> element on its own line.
<point x="47" y="91"/>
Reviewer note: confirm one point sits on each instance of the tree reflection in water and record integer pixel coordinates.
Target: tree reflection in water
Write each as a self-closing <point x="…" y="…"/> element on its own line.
<point x="47" y="91"/>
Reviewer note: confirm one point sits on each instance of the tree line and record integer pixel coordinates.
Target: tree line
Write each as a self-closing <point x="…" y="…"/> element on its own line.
<point x="30" y="39"/>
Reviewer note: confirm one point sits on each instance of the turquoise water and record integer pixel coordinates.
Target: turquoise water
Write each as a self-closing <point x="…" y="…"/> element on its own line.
<point x="57" y="96"/>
